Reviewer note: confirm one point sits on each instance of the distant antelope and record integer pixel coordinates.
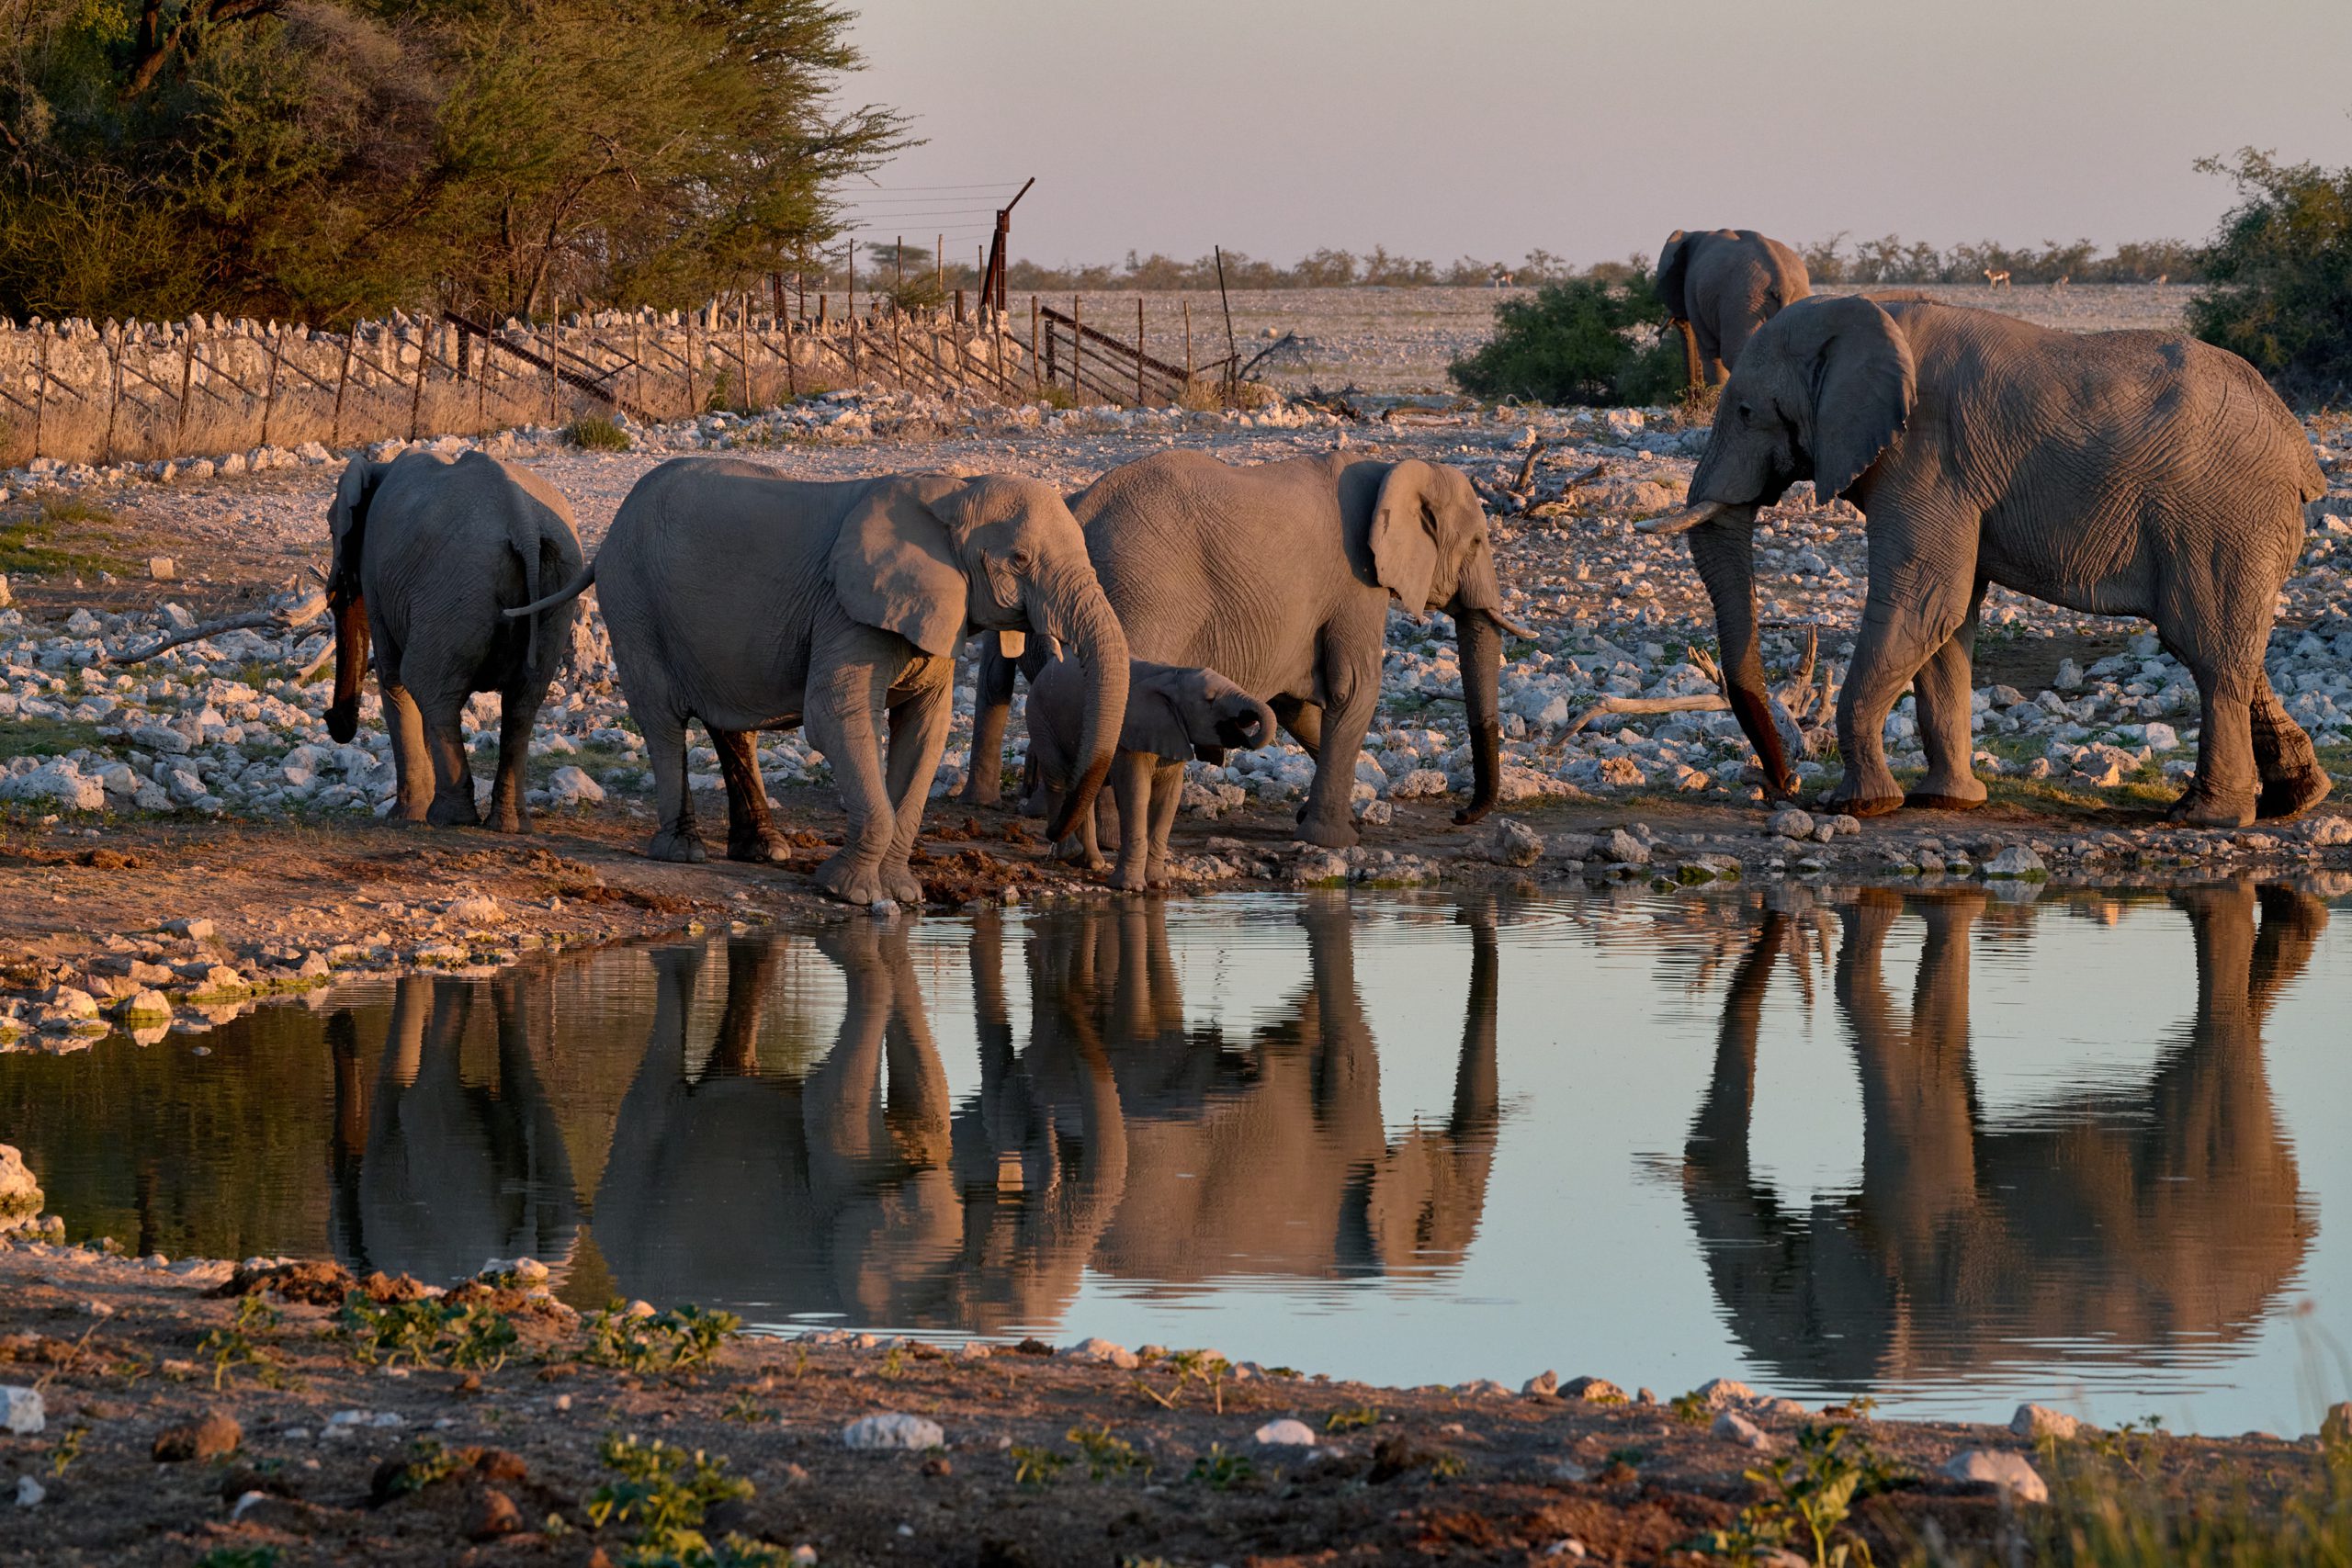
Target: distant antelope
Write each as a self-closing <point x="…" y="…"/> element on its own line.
<point x="2163" y="278"/>
<point x="1497" y="277"/>
<point x="2057" y="285"/>
<point x="1997" y="279"/>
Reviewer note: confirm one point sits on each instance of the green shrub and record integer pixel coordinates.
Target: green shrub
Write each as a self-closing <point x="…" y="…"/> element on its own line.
<point x="597" y="434"/>
<point x="1584" y="341"/>
<point x="2279" y="274"/>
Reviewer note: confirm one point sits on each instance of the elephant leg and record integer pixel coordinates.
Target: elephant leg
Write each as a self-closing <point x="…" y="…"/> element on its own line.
<point x="919" y="723"/>
<point x="1303" y="721"/>
<point x="1036" y="800"/>
<point x="1088" y="835"/>
<point x="2224" y="790"/>
<point x="411" y="765"/>
<point x="2292" y="780"/>
<point x="750" y="833"/>
<point x="1353" y="690"/>
<point x="991" y="708"/>
<point x="1167" y="789"/>
<point x="518" y="714"/>
<point x="846" y="692"/>
<point x="453" y="805"/>
<point x="1131" y="783"/>
<point x="1915" y="606"/>
<point x="1946" y="691"/>
<point x="675" y="837"/>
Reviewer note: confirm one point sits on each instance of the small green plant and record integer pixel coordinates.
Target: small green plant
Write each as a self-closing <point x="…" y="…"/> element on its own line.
<point x="31" y="542"/>
<point x="1036" y="1467"/>
<point x="465" y="1338"/>
<point x="1053" y="395"/>
<point x="1205" y="1366"/>
<point x="1449" y="1467"/>
<point x="722" y="393"/>
<point x="664" y="1492"/>
<point x="1351" y="1419"/>
<point x="1222" y="1469"/>
<point x="232" y="1345"/>
<point x="428" y="1461"/>
<point x="677" y="1340"/>
<point x="1807" y="1498"/>
<point x="1692" y="1409"/>
<point x="1106" y="1456"/>
<point x="745" y="1410"/>
<point x="894" y="1363"/>
<point x="597" y="433"/>
<point x="68" y="1449"/>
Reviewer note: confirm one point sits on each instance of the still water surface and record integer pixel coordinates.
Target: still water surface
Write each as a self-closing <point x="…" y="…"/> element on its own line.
<point x="1940" y="1147"/>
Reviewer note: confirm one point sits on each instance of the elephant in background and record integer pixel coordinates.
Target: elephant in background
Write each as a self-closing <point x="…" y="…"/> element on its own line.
<point x="1280" y="577"/>
<point x="434" y="1174"/>
<point x="2134" y="1218"/>
<point x="750" y="601"/>
<point x="1719" y="287"/>
<point x="1174" y="713"/>
<point x="2126" y="473"/>
<point x="431" y="556"/>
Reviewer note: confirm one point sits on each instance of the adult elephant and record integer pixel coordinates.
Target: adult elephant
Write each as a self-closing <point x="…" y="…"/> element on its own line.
<point x="2129" y="473"/>
<point x="1719" y="287"/>
<point x="1279" y="576"/>
<point x="428" y="553"/>
<point x="750" y="601"/>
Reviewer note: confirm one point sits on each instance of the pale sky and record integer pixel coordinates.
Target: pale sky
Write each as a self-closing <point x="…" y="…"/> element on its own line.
<point x="1590" y="128"/>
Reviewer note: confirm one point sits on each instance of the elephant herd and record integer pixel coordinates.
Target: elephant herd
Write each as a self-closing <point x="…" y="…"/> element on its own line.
<point x="1181" y="605"/>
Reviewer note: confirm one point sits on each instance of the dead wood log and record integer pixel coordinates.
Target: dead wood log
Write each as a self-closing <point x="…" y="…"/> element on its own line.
<point x="297" y="606"/>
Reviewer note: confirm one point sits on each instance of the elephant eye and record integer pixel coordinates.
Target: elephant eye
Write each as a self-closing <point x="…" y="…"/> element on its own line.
<point x="1746" y="414"/>
<point x="1020" y="560"/>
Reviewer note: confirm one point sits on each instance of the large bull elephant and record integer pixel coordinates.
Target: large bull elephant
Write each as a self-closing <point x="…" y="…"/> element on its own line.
<point x="1719" y="287"/>
<point x="750" y="601"/>
<point x="2125" y="473"/>
<point x="1280" y="577"/>
<point x="2163" y="1214"/>
<point x="430" y="555"/>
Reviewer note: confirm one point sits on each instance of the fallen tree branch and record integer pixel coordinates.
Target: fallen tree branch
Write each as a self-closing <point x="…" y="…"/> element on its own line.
<point x="297" y="606"/>
<point x="1800" y="710"/>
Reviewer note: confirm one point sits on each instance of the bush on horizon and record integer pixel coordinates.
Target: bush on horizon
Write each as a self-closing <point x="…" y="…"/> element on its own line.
<point x="1584" y="341"/>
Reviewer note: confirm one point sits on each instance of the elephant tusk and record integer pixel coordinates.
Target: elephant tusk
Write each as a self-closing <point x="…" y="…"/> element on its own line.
<point x="1010" y="644"/>
<point x="1514" y="628"/>
<point x="1682" y="521"/>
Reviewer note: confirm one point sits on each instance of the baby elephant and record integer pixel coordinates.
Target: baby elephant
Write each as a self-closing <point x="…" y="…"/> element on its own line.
<point x="1174" y="712"/>
<point x="428" y="556"/>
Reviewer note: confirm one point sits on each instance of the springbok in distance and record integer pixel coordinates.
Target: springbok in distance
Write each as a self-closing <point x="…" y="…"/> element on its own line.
<point x="2163" y="278"/>
<point x="2057" y="285"/>
<point x="1996" y="279"/>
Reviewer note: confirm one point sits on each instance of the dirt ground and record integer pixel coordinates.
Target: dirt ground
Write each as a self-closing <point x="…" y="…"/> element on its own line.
<point x="293" y="1414"/>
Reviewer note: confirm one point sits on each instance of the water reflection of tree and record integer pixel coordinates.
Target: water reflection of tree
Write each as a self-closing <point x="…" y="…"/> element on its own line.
<point x="2135" y="1218"/>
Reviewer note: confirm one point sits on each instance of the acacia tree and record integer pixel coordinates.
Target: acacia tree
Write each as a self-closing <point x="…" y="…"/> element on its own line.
<point x="324" y="158"/>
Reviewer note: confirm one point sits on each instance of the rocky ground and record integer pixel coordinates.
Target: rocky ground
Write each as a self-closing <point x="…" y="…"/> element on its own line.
<point x="189" y="1412"/>
<point x="200" y="784"/>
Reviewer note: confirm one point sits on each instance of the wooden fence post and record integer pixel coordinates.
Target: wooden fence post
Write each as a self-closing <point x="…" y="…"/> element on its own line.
<point x="1188" y="345"/>
<point x="743" y="349"/>
<point x="1037" y="368"/>
<point x="481" y="388"/>
<point x="1077" y="350"/>
<point x="691" y="410"/>
<point x="849" y="308"/>
<point x="416" y="392"/>
<point x="114" y="399"/>
<point x="342" y="379"/>
<point x="791" y="372"/>
<point x="40" y="386"/>
<point x="1138" y="351"/>
<point x="555" y="350"/>
<point x="188" y="372"/>
<point x="269" y="392"/>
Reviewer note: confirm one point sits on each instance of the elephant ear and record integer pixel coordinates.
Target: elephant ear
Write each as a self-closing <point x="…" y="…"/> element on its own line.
<point x="347" y="514"/>
<point x="1155" y="722"/>
<point x="1673" y="268"/>
<point x="1403" y="534"/>
<point x="1859" y="365"/>
<point x="895" y="565"/>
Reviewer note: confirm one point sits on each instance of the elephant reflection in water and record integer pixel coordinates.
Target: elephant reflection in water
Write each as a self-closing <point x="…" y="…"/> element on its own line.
<point x="435" y="1175"/>
<point x="2137" y="1218"/>
<point x="853" y="1190"/>
<point x="1271" y="1158"/>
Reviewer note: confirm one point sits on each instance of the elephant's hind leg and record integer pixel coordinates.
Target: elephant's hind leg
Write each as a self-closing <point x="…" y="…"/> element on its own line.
<point x="2292" y="780"/>
<point x="1915" y="610"/>
<point x="991" y="707"/>
<point x="1130" y="783"/>
<point x="453" y="805"/>
<point x="1167" y="789"/>
<point x="411" y="765"/>
<point x="675" y="838"/>
<point x="1945" y="688"/>
<point x="919" y="722"/>
<point x="750" y="833"/>
<point x="518" y="713"/>
<point x="2223" y="791"/>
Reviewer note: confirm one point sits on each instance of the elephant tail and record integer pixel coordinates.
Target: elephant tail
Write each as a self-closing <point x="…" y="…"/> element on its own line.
<point x="564" y="596"/>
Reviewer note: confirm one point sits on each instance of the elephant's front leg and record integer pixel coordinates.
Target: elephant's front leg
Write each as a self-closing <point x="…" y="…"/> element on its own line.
<point x="920" y="712"/>
<point x="992" y="677"/>
<point x="1945" y="687"/>
<point x="1167" y="789"/>
<point x="453" y="805"/>
<point x="1131" y="785"/>
<point x="750" y="833"/>
<point x="412" y="764"/>
<point x="1353" y="690"/>
<point x="1917" y="603"/>
<point x="518" y="714"/>
<point x="849" y="681"/>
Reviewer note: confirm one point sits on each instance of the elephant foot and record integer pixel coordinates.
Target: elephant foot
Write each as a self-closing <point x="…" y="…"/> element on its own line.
<point x="1035" y="806"/>
<point x="853" y="881"/>
<point x="2291" y="796"/>
<point x="1938" y="800"/>
<point x="1868" y="806"/>
<point x="2199" y="809"/>
<point x="508" y="822"/>
<point x="977" y="793"/>
<point x="1472" y="813"/>
<point x="903" y="885"/>
<point x="1325" y="834"/>
<point x="450" y="811"/>
<point x="765" y="847"/>
<point x="683" y="845"/>
<point x="1129" y="880"/>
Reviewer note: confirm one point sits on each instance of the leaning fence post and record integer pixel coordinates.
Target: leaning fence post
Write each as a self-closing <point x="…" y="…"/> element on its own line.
<point x="40" y="385"/>
<point x="342" y="379"/>
<point x="417" y="391"/>
<point x="269" y="392"/>
<point x="555" y="349"/>
<point x="114" y="398"/>
<point x="482" y="384"/>
<point x="637" y="359"/>
<point x="1188" y="344"/>
<point x="1138" y="351"/>
<point x="743" y="349"/>
<point x="188" y="372"/>
<point x="1077" y="350"/>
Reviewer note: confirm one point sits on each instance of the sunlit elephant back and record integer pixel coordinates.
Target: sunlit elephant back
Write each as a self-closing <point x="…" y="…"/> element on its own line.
<point x="2141" y="1217"/>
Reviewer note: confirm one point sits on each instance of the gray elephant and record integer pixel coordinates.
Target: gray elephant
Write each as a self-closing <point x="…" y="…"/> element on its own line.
<point x="1719" y="287"/>
<point x="1174" y="713"/>
<point x="428" y="555"/>
<point x="2126" y="473"/>
<point x="750" y="601"/>
<point x="1280" y="576"/>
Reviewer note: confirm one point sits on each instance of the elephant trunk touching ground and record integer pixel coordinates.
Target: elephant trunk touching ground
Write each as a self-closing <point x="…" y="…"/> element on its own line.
<point x="1722" y="549"/>
<point x="348" y="602"/>
<point x="1481" y="642"/>
<point x="1069" y="605"/>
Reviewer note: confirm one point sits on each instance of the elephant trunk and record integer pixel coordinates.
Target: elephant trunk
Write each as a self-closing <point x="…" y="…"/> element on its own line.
<point x="1073" y="608"/>
<point x="1724" y="549"/>
<point x="350" y="665"/>
<point x="1481" y="644"/>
